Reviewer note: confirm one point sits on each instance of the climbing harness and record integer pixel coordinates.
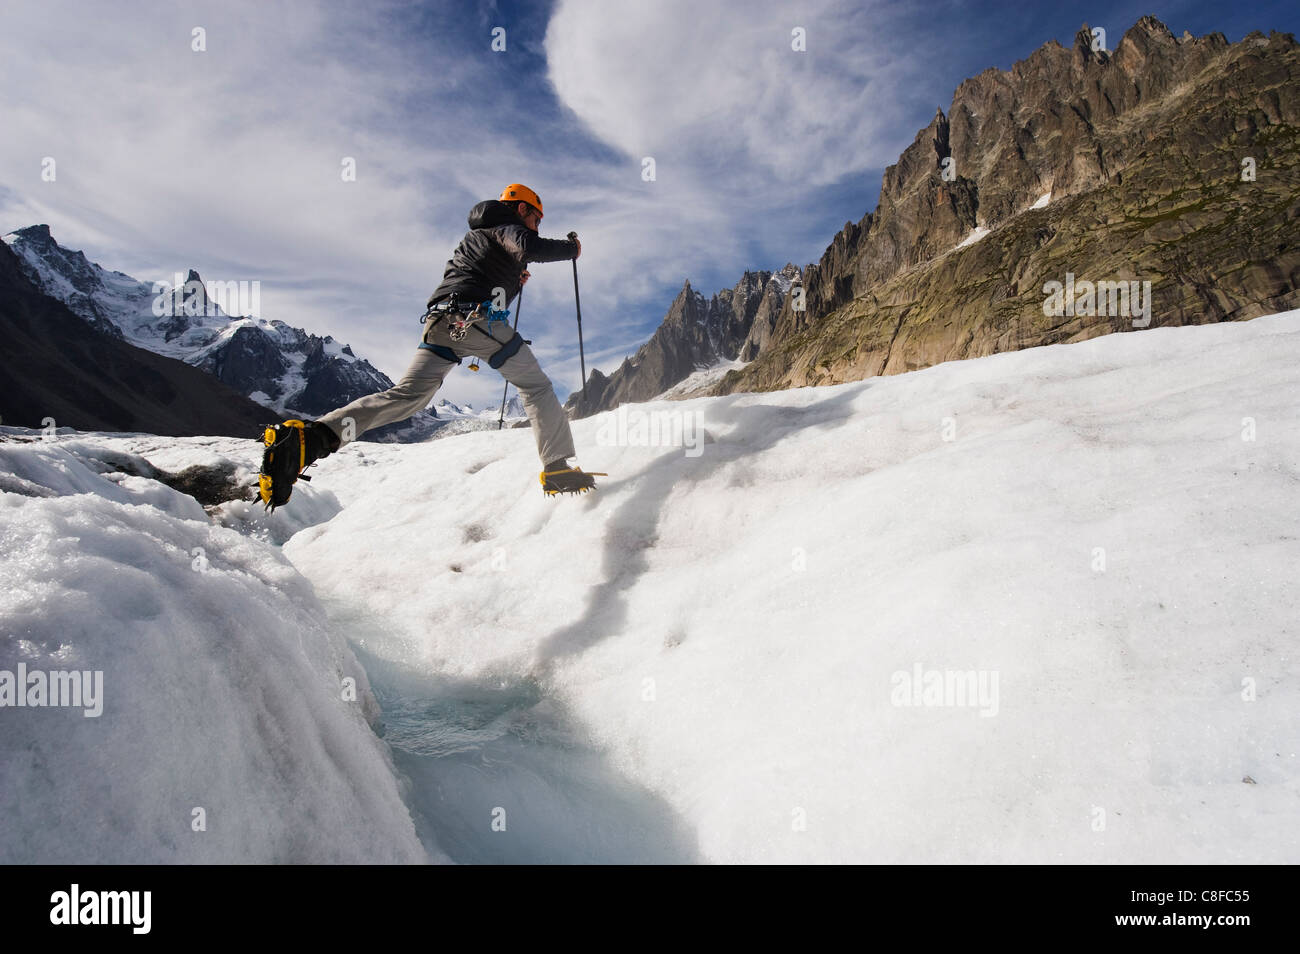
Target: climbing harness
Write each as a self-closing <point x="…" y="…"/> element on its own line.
<point x="460" y="318"/>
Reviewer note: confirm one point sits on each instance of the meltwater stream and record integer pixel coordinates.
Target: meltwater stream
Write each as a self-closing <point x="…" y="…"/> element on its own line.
<point x="499" y="775"/>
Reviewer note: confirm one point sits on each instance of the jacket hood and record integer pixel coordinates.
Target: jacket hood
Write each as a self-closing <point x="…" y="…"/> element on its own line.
<point x="492" y="212"/>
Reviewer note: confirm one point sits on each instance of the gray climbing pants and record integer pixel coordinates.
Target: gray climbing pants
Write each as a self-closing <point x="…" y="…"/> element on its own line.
<point x="425" y="375"/>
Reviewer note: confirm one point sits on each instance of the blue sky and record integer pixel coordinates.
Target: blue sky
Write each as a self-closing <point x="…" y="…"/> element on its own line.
<point x="228" y="160"/>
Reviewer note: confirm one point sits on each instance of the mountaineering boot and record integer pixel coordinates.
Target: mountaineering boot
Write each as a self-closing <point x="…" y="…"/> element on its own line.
<point x="559" y="478"/>
<point x="319" y="441"/>
<point x="291" y="448"/>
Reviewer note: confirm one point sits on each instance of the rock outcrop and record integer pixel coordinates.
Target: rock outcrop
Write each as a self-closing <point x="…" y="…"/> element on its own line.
<point x="1171" y="160"/>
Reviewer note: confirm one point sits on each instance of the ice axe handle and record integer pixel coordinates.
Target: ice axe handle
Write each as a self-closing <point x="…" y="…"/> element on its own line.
<point x="577" y="304"/>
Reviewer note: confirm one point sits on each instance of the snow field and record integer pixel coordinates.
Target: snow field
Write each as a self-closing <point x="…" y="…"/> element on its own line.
<point x="221" y="685"/>
<point x="728" y="628"/>
<point x="738" y="656"/>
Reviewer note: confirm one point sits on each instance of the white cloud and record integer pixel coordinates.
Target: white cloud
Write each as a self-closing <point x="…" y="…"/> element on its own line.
<point x="719" y="86"/>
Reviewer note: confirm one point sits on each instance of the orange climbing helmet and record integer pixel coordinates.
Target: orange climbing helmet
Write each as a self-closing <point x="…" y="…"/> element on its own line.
<point x="517" y="192"/>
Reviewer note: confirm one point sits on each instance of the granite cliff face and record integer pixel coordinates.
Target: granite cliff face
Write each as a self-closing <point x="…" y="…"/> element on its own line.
<point x="1173" y="160"/>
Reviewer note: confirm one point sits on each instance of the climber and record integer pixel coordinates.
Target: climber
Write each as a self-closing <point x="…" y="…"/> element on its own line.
<point x="465" y="316"/>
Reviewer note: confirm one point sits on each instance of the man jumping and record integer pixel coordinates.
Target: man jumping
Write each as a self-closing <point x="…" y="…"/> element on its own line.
<point x="486" y="272"/>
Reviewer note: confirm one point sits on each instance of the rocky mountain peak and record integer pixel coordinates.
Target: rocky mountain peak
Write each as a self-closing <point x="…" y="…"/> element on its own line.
<point x="45" y="263"/>
<point x="1014" y="148"/>
<point x="1144" y="142"/>
<point x="1150" y="27"/>
<point x="36" y="234"/>
<point x="695" y="334"/>
<point x="1083" y="53"/>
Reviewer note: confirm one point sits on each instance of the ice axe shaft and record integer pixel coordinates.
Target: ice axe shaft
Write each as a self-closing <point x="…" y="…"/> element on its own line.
<point x="519" y="303"/>
<point x="577" y="302"/>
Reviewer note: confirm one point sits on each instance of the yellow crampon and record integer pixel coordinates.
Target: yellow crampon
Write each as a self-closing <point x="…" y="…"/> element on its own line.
<point x="275" y="482"/>
<point x="553" y="491"/>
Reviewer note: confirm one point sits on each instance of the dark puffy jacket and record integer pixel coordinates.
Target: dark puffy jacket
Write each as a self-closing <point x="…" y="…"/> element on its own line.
<point x="495" y="253"/>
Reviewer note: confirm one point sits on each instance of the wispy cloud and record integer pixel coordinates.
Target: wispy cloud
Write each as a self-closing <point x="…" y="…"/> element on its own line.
<point x="751" y="94"/>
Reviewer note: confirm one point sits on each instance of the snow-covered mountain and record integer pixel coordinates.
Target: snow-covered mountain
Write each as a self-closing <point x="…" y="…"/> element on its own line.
<point x="60" y="372"/>
<point x="273" y="363"/>
<point x="464" y="418"/>
<point x="449" y="411"/>
<point x="1034" y="607"/>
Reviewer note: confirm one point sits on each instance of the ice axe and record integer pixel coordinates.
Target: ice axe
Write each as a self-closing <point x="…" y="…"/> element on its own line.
<point x="578" y="304"/>
<point x="519" y="303"/>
